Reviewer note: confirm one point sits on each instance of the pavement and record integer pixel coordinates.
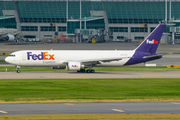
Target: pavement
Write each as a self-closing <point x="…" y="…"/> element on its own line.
<point x="89" y="108"/>
<point x="97" y="75"/>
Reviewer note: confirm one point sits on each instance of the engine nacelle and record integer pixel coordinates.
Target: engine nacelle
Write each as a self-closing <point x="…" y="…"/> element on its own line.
<point x="10" y="37"/>
<point x="74" y="66"/>
<point x="59" y="67"/>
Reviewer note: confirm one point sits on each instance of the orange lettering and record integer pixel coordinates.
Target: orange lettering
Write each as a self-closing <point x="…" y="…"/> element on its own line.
<point x="45" y="55"/>
<point x="51" y="57"/>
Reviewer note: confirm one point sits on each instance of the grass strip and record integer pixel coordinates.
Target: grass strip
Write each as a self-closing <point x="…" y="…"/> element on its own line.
<point x="126" y="68"/>
<point x="2" y="61"/>
<point x="93" y="117"/>
<point x="90" y="89"/>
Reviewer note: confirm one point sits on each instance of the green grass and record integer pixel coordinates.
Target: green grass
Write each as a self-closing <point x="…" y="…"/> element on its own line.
<point x="127" y="68"/>
<point x="2" y="61"/>
<point x="98" y="89"/>
<point x="156" y="116"/>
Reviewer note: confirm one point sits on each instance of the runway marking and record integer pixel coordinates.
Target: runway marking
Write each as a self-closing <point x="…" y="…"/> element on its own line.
<point x="118" y="110"/>
<point x="175" y="103"/>
<point x="68" y="104"/>
<point x="2" y="111"/>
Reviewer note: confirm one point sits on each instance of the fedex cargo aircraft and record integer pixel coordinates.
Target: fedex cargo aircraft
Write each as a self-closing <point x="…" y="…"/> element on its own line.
<point x="81" y="59"/>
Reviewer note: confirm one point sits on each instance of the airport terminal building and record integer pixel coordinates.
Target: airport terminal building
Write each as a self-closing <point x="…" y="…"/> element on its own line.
<point x="126" y="19"/>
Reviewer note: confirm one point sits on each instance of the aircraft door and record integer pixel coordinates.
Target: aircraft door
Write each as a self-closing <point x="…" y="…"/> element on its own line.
<point x="22" y="59"/>
<point x="23" y="56"/>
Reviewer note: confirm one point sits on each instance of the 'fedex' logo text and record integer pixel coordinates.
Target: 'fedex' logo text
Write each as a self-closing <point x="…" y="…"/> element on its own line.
<point x="41" y="56"/>
<point x="74" y="66"/>
<point x="151" y="42"/>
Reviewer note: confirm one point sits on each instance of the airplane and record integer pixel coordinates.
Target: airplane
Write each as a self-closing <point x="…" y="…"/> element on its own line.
<point x="7" y="34"/>
<point x="81" y="59"/>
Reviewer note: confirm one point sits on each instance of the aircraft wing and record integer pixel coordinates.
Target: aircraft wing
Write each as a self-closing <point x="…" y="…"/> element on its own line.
<point x="98" y="60"/>
<point x="104" y="59"/>
<point x="15" y="33"/>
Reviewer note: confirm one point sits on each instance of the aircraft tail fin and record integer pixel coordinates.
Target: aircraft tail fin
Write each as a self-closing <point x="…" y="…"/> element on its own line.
<point x="150" y="44"/>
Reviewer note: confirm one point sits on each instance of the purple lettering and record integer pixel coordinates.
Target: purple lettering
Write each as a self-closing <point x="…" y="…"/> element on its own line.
<point x="28" y="55"/>
<point x="34" y="57"/>
<point x="40" y="56"/>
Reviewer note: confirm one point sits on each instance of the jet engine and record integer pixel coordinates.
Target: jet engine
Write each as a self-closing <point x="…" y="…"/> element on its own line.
<point x="74" y="66"/>
<point x="59" y="67"/>
<point x="10" y="37"/>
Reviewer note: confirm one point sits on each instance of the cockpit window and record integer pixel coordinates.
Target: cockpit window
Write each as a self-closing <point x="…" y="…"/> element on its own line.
<point x="12" y="55"/>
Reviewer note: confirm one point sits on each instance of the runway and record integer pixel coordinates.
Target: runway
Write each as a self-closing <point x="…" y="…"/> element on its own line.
<point x="98" y="75"/>
<point x="89" y="108"/>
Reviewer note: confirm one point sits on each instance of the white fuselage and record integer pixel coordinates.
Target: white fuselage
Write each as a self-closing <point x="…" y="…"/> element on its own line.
<point x="50" y="58"/>
<point x="6" y="30"/>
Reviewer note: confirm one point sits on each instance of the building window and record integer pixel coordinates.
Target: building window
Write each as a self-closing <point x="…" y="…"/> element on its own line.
<point x="29" y="28"/>
<point x="48" y="36"/>
<point x="139" y="29"/>
<point x="8" y="23"/>
<point x="47" y="28"/>
<point x="120" y="37"/>
<point x="119" y="29"/>
<point x="138" y="38"/>
<point x="152" y="28"/>
<point x="61" y="28"/>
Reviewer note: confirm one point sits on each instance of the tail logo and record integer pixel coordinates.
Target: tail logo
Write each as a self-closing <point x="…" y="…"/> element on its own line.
<point x="151" y="42"/>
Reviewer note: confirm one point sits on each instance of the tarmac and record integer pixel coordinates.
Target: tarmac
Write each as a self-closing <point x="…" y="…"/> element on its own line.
<point x="97" y="75"/>
<point x="89" y="108"/>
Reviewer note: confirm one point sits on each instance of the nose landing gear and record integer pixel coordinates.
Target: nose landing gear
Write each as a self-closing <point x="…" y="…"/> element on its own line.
<point x="17" y="68"/>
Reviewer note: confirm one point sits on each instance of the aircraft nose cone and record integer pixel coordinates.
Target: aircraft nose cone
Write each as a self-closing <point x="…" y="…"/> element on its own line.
<point x="7" y="59"/>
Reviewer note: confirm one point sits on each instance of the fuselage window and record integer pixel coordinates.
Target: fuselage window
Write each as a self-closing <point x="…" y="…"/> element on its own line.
<point x="12" y="55"/>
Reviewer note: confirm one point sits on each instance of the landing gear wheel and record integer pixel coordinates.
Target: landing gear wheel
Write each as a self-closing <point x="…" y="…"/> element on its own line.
<point x="18" y="71"/>
<point x="17" y="68"/>
<point x="92" y="71"/>
<point x="88" y="71"/>
<point x="83" y="71"/>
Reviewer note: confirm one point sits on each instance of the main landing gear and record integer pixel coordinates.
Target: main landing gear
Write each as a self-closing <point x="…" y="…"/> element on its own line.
<point x="17" y="68"/>
<point x="86" y="71"/>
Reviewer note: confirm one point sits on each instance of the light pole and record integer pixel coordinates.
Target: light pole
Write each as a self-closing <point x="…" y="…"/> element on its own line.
<point x="170" y="10"/>
<point x="166" y="12"/>
<point x="80" y="20"/>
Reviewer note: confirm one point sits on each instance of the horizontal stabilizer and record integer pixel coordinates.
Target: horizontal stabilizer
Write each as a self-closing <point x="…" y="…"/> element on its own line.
<point x="152" y="56"/>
